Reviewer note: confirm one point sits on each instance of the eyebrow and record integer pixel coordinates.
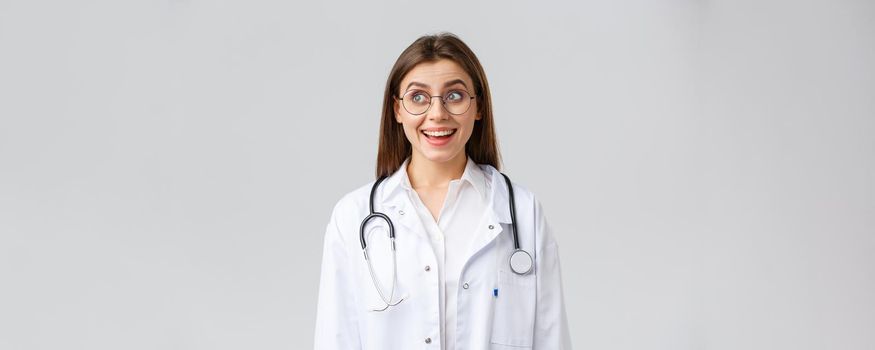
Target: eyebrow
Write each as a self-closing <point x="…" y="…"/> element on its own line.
<point x="449" y="83"/>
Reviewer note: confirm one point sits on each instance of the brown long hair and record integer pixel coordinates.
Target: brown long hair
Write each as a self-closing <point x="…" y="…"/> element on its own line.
<point x="394" y="147"/>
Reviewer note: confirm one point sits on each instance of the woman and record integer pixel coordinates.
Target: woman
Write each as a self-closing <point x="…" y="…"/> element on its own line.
<point x="456" y="278"/>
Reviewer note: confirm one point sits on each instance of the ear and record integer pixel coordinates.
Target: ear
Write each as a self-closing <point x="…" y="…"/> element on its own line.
<point x="396" y="107"/>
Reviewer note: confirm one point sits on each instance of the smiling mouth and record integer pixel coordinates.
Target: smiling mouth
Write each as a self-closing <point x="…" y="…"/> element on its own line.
<point x="437" y="135"/>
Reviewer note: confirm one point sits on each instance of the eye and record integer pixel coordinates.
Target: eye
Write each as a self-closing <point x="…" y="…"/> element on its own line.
<point x="418" y="97"/>
<point x="455" y="96"/>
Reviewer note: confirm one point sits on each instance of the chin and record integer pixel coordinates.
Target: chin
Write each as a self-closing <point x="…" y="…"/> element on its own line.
<point x="441" y="156"/>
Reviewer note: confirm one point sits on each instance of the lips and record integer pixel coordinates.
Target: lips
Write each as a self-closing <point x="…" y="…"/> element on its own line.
<point x="439" y="137"/>
<point x="437" y="133"/>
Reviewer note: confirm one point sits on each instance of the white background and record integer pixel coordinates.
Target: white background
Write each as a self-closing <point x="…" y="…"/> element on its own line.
<point x="167" y="168"/>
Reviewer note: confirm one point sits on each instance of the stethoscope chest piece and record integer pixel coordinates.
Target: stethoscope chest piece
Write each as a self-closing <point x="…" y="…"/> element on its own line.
<point x="521" y="262"/>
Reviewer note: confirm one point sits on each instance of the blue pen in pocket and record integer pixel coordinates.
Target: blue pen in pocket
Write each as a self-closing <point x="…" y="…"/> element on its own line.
<point x="495" y="292"/>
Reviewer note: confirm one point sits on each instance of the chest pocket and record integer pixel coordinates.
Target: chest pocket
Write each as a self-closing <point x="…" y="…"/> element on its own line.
<point x="514" y="314"/>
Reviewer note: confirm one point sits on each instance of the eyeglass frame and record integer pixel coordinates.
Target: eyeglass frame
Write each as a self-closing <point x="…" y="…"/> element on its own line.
<point x="443" y="102"/>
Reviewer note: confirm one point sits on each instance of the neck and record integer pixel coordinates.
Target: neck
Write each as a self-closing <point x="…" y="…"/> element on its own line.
<point x="424" y="173"/>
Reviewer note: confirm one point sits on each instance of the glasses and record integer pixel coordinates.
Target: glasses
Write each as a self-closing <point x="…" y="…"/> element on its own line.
<point x="417" y="102"/>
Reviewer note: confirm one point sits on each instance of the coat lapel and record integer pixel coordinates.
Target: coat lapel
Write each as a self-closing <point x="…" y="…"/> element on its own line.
<point x="396" y="204"/>
<point x="497" y="213"/>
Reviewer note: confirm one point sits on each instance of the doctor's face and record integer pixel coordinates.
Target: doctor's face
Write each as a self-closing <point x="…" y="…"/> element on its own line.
<point x="437" y="131"/>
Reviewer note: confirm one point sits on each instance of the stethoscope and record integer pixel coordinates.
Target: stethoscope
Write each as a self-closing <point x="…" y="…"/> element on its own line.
<point x="520" y="260"/>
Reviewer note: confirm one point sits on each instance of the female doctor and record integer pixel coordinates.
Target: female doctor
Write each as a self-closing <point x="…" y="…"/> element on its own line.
<point x="439" y="252"/>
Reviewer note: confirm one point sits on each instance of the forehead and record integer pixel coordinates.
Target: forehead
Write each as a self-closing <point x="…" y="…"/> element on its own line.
<point x="435" y="73"/>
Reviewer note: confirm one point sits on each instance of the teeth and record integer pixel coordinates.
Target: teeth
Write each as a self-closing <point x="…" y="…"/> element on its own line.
<point x="439" y="133"/>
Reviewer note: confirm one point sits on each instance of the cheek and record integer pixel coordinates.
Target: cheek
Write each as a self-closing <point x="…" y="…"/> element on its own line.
<point x="469" y="129"/>
<point x="410" y="131"/>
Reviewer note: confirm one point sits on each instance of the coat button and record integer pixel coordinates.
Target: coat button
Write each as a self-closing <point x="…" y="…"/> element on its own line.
<point x="428" y="340"/>
<point x="491" y="227"/>
<point x="465" y="285"/>
<point x="427" y="268"/>
<point x="401" y="212"/>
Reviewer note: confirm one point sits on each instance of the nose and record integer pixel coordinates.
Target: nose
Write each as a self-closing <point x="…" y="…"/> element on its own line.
<point x="437" y="112"/>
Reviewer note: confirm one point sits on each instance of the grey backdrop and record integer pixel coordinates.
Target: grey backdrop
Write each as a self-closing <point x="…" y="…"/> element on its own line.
<point x="167" y="168"/>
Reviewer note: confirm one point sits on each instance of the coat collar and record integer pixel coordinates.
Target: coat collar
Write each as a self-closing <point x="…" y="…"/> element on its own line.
<point x="487" y="180"/>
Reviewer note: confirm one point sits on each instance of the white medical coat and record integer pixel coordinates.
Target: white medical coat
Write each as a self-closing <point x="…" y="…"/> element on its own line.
<point x="528" y="311"/>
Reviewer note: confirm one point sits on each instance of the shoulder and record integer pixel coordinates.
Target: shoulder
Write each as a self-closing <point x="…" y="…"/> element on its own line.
<point x="348" y="212"/>
<point x="354" y="202"/>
